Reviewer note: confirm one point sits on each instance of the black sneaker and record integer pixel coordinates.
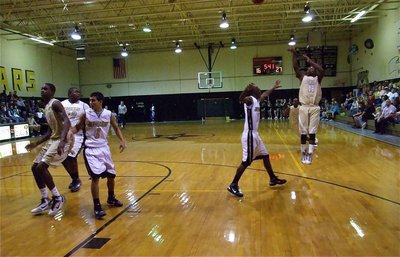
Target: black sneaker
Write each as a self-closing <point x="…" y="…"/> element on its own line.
<point x="75" y="185"/>
<point x="277" y="181"/>
<point x="99" y="213"/>
<point x="114" y="202"/>
<point x="234" y="190"/>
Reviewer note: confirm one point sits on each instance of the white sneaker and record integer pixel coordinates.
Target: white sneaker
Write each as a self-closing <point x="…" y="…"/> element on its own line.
<point x="57" y="204"/>
<point x="309" y="158"/>
<point x="44" y="205"/>
<point x="304" y="157"/>
<point x="363" y="125"/>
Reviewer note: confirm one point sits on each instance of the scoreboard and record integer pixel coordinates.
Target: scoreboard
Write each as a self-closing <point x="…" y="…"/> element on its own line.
<point x="267" y="66"/>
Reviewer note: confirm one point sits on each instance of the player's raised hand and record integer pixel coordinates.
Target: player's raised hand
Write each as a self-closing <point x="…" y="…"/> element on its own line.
<point x="307" y="58"/>
<point x="277" y="83"/>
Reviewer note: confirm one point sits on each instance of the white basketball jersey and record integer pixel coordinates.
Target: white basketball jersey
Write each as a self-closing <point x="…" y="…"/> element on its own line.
<point x="97" y="126"/>
<point x="310" y="91"/>
<point x="252" y="115"/>
<point x="74" y="111"/>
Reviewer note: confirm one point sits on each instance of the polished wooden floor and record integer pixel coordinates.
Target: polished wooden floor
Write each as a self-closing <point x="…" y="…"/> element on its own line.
<point x="173" y="178"/>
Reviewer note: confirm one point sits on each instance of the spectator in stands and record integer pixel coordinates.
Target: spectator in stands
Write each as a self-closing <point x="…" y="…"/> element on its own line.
<point x="354" y="107"/>
<point x="13" y="114"/>
<point x="384" y="98"/>
<point x="366" y="113"/>
<point x="3" y="96"/>
<point x="334" y="109"/>
<point x="393" y="94"/>
<point x="3" y="114"/>
<point x="40" y="118"/>
<point x="387" y="116"/>
<point x="34" y="127"/>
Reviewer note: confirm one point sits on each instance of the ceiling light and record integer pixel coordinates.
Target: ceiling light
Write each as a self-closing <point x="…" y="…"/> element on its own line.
<point x="292" y="40"/>
<point x="358" y="16"/>
<point x="224" y="22"/>
<point x="76" y="35"/>
<point x="307" y="14"/>
<point x="41" y="41"/>
<point x="124" y="52"/>
<point x="233" y="44"/>
<point x="147" y="28"/>
<point x="178" y="48"/>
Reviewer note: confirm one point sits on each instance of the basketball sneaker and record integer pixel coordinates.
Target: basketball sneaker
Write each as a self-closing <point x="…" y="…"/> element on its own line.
<point x="277" y="181"/>
<point x="304" y="157"/>
<point x="98" y="212"/>
<point x="43" y="206"/>
<point x="114" y="202"/>
<point x="235" y="190"/>
<point x="75" y="185"/>
<point x="57" y="204"/>
<point x="309" y="158"/>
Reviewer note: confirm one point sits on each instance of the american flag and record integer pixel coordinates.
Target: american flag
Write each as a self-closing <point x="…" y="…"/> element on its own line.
<point x="119" y="68"/>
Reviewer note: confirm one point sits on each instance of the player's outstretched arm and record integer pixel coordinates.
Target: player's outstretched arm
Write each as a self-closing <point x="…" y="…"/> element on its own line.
<point x="267" y="93"/>
<point x="318" y="68"/>
<point x="296" y="66"/>
<point x="118" y="132"/>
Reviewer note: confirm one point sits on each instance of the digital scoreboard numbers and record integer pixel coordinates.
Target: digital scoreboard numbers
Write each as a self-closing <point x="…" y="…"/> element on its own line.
<point x="267" y="66"/>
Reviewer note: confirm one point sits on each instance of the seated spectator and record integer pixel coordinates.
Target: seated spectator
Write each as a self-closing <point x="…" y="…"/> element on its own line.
<point x="354" y="107"/>
<point x="13" y="113"/>
<point x="334" y="109"/>
<point x="397" y="117"/>
<point x="388" y="114"/>
<point x="3" y="115"/>
<point x="366" y="113"/>
<point x="34" y="127"/>
<point x="40" y="118"/>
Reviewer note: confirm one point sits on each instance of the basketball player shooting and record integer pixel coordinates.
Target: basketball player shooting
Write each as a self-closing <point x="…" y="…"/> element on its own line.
<point x="310" y="94"/>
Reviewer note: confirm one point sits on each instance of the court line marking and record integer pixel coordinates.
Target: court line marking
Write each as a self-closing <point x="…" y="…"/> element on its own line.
<point x="292" y="175"/>
<point x="85" y="241"/>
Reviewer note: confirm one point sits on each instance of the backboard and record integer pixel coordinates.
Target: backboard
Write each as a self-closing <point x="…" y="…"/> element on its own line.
<point x="208" y="80"/>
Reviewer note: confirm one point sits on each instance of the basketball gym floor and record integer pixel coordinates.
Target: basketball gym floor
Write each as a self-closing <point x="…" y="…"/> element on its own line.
<point x="172" y="179"/>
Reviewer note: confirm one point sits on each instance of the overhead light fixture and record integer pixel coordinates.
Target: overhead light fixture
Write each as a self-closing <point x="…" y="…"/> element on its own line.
<point x="147" y="28"/>
<point x="41" y="41"/>
<point x="76" y="35"/>
<point x="307" y="13"/>
<point x="224" y="22"/>
<point x="124" y="52"/>
<point x="358" y="16"/>
<point x="233" y="43"/>
<point x="178" y="48"/>
<point x="292" y="40"/>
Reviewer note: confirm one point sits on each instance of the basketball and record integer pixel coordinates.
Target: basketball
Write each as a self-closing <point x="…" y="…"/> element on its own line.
<point x="258" y="1"/>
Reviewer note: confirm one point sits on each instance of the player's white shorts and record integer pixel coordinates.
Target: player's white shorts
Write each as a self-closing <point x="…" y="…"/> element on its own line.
<point x="252" y="146"/>
<point x="309" y="119"/>
<point x="49" y="154"/>
<point x="76" y="149"/>
<point x="98" y="162"/>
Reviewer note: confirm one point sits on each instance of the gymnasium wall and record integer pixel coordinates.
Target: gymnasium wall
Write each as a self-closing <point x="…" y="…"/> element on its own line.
<point x="170" y="73"/>
<point x="382" y="61"/>
<point x="26" y="65"/>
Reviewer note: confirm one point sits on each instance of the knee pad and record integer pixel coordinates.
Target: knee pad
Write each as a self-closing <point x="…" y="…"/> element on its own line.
<point x="303" y="139"/>
<point x="312" y="138"/>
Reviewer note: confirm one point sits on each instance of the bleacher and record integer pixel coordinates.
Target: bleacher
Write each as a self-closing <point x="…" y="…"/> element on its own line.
<point x="390" y="129"/>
